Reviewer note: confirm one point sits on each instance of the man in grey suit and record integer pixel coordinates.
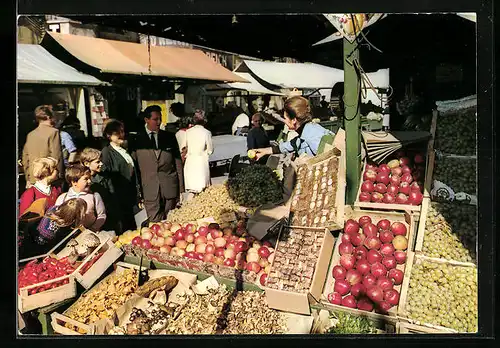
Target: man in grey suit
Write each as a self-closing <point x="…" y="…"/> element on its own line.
<point x="159" y="165"/>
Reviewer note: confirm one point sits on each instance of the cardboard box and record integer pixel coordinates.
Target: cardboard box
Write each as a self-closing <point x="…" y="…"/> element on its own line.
<point x="300" y="302"/>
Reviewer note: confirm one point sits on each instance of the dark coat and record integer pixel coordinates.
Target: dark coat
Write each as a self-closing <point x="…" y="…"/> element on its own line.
<point x="102" y="184"/>
<point x="160" y="171"/>
<point x="124" y="185"/>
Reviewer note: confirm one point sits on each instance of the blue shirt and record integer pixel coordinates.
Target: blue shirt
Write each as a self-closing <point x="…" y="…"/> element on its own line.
<point x="308" y="141"/>
<point x="67" y="144"/>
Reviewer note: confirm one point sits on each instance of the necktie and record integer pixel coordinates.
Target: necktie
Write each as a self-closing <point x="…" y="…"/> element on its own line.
<point x="153" y="141"/>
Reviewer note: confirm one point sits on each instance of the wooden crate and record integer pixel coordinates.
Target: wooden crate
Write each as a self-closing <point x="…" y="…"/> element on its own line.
<point x="407" y="328"/>
<point x="300" y="302"/>
<point x="419" y="241"/>
<point x="338" y="220"/>
<point x="383" y="206"/>
<point x="59" y="320"/>
<point x="407" y="219"/>
<point x="111" y="254"/>
<point x="413" y="258"/>
<point x="28" y="302"/>
<point x="383" y="323"/>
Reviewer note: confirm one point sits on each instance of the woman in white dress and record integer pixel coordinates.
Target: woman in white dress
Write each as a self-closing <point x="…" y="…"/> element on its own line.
<point x="199" y="148"/>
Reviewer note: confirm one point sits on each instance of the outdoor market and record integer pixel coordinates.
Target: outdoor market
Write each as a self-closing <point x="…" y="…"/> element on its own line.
<point x="324" y="184"/>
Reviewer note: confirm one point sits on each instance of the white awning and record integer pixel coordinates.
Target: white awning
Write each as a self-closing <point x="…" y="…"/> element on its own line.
<point x="36" y="65"/>
<point x="254" y="86"/>
<point x="294" y="75"/>
<point x="305" y="75"/>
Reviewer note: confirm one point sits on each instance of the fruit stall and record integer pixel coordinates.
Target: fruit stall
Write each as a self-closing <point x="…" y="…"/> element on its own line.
<point x="328" y="268"/>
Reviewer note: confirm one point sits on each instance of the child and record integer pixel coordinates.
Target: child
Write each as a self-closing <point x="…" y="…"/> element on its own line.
<point x="44" y="171"/>
<point x="78" y="177"/>
<point x="101" y="184"/>
<point x="54" y="226"/>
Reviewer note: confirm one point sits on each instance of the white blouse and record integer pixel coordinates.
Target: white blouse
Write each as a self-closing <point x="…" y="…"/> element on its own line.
<point x="124" y="154"/>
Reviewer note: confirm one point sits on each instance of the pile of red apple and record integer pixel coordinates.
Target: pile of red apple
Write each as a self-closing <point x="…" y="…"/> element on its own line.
<point x="367" y="273"/>
<point x="231" y="247"/>
<point x="397" y="182"/>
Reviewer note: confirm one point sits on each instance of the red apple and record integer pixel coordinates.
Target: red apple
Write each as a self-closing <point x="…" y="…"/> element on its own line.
<point x="370" y="175"/>
<point x="382" y="177"/>
<point x="203" y="231"/>
<point x="404" y="161"/>
<point x="377" y="197"/>
<point x="367" y="186"/>
<point x="401" y="198"/>
<point x="381" y="188"/>
<point x="365" y="197"/>
<point x="384" y="168"/>
<point x="200" y="240"/>
<point x="407" y="178"/>
<point x="208" y="257"/>
<point x="389" y="198"/>
<point x="229" y="262"/>
<point x="404" y="187"/>
<point x="398" y="171"/>
<point x="392" y="189"/>
<point x="395" y="180"/>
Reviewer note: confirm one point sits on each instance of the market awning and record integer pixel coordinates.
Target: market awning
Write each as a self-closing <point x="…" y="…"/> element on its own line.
<point x="36" y="65"/>
<point x="253" y="87"/>
<point x="305" y="75"/>
<point x="110" y="56"/>
<point x="294" y="75"/>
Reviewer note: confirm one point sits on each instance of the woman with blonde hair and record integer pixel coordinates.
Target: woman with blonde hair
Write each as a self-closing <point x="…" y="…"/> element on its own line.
<point x="45" y="171"/>
<point x="297" y="112"/>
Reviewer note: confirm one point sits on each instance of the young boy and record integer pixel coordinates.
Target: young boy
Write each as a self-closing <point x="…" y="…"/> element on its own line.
<point x="101" y="183"/>
<point x="78" y="177"/>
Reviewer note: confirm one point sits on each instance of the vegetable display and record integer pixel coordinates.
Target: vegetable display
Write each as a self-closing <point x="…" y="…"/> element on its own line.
<point x="399" y="181"/>
<point x="214" y="201"/>
<point x="458" y="173"/>
<point x="367" y="274"/>
<point x="456" y="132"/>
<point x="450" y="232"/>
<point x="37" y="272"/>
<point x="314" y="196"/>
<point x="443" y="294"/>
<point x="255" y="185"/>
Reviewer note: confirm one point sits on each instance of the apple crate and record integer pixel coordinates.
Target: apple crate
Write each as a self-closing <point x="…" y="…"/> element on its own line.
<point x="409" y="222"/>
<point x="426" y="179"/>
<point x="415" y="258"/>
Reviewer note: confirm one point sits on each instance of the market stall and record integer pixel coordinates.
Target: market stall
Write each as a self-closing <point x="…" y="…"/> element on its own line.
<point x="393" y="261"/>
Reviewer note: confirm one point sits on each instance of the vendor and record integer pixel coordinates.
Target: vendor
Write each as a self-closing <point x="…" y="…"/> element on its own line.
<point x="241" y="123"/>
<point x="297" y="112"/>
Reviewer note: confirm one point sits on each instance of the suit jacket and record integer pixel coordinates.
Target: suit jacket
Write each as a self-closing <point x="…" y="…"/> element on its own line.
<point x="43" y="141"/>
<point x="158" y="171"/>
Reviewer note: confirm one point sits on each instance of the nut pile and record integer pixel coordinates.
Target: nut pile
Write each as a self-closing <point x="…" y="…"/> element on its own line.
<point x="456" y="132"/>
<point x="221" y="312"/>
<point x="444" y="295"/>
<point x="450" y="232"/>
<point x="295" y="260"/>
<point x="102" y="301"/>
<point x="457" y="173"/>
<point x="313" y="200"/>
<point x="214" y="201"/>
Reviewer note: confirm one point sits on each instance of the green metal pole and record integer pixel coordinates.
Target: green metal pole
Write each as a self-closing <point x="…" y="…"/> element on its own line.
<point x="351" y="121"/>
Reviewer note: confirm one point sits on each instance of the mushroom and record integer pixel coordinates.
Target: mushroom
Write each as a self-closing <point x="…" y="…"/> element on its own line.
<point x="73" y="256"/>
<point x="89" y="243"/>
